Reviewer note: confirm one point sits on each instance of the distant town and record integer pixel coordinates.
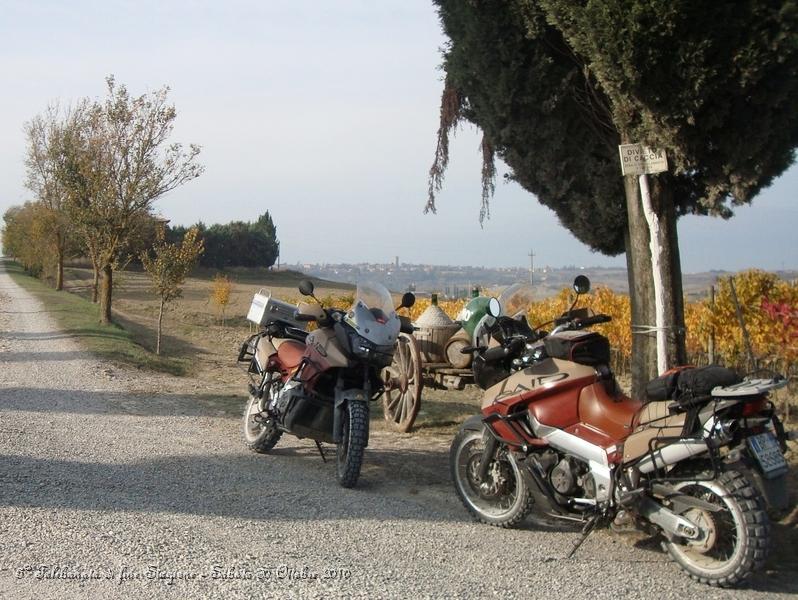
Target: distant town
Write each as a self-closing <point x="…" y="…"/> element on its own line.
<point x="459" y="281"/>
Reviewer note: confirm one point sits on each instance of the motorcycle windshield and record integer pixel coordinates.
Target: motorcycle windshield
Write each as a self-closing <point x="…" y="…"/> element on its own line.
<point x="376" y="298"/>
<point x="373" y="314"/>
<point x="516" y="300"/>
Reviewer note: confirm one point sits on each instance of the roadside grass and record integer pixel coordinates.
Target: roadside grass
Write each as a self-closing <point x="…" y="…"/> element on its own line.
<point x="78" y="318"/>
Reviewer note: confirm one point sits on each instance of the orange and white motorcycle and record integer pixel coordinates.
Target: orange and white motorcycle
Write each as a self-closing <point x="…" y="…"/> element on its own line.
<point x="318" y="385"/>
<point x="697" y="464"/>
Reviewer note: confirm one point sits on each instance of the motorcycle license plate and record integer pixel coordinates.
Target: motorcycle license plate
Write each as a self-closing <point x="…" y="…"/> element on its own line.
<point x="768" y="454"/>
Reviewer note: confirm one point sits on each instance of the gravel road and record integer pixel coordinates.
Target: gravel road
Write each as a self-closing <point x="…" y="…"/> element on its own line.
<point x="120" y="484"/>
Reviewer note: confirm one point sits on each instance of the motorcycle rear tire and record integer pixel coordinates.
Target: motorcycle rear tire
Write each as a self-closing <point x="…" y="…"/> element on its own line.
<point x="738" y="538"/>
<point x="259" y="437"/>
<point x="349" y="453"/>
<point x="506" y="510"/>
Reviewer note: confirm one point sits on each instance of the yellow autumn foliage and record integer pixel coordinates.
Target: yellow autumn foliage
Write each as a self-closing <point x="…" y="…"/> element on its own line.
<point x="769" y="306"/>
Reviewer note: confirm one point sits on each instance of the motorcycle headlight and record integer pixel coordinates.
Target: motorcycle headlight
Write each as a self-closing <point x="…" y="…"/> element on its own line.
<point x="361" y="346"/>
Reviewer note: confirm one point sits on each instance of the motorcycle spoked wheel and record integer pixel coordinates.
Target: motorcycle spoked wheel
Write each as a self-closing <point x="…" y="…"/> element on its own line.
<point x="505" y="500"/>
<point x="735" y="540"/>
<point x="260" y="435"/>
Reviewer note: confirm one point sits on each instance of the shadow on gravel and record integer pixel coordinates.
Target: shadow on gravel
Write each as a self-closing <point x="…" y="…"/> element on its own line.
<point x="242" y="486"/>
<point x="39" y="357"/>
<point x="57" y="335"/>
<point x="82" y="402"/>
<point x="31" y="312"/>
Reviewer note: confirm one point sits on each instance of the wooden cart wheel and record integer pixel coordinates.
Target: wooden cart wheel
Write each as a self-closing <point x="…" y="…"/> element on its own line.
<point x="403" y="384"/>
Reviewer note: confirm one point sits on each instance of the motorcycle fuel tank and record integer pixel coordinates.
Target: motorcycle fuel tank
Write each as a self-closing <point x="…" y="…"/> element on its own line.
<point x="550" y="387"/>
<point x="324" y="350"/>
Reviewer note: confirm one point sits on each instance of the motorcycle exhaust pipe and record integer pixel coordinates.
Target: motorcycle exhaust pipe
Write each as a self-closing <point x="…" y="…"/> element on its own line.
<point x="671" y="454"/>
<point x="717" y="433"/>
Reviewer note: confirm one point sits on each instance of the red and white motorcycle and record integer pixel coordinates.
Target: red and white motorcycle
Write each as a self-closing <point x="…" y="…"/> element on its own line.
<point x="698" y="464"/>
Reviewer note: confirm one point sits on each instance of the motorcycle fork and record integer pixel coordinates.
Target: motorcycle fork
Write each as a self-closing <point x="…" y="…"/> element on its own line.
<point x="487" y="455"/>
<point x="340" y="402"/>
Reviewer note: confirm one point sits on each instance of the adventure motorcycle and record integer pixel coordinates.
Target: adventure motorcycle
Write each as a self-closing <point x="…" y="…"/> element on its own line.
<point x="318" y="385"/>
<point x="699" y="464"/>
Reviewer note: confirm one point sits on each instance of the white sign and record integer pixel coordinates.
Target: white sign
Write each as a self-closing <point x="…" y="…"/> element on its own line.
<point x="637" y="159"/>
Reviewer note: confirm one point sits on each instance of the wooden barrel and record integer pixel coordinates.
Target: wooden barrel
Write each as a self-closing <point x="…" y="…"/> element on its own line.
<point x="452" y="349"/>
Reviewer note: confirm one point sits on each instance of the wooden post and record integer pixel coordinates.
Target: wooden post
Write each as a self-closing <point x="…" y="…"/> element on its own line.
<point x="711" y="338"/>
<point x="741" y="321"/>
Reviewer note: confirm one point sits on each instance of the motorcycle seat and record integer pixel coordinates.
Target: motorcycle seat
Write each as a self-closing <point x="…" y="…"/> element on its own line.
<point x="614" y="415"/>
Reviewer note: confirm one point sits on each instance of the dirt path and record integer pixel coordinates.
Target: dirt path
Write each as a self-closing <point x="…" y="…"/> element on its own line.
<point x="115" y="484"/>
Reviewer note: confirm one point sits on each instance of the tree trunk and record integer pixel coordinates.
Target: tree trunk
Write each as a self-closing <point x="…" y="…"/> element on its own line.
<point x="95" y="286"/>
<point x="641" y="288"/>
<point x="59" y="269"/>
<point x="106" y="290"/>
<point x="641" y="292"/>
<point x="158" y="335"/>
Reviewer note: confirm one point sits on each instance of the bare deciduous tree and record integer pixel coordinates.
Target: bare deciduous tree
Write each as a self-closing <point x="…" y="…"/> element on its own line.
<point x="124" y="164"/>
<point x="168" y="269"/>
<point x="48" y="138"/>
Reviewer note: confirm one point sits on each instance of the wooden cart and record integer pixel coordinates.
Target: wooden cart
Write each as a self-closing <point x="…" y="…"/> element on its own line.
<point x="405" y="379"/>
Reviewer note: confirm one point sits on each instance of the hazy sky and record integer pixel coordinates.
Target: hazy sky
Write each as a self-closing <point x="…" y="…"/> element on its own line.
<point x="325" y="114"/>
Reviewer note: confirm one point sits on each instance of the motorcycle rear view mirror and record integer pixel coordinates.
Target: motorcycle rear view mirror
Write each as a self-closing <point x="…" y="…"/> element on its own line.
<point x="306" y="287"/>
<point x="494" y="307"/>
<point x="408" y="300"/>
<point x="581" y="285"/>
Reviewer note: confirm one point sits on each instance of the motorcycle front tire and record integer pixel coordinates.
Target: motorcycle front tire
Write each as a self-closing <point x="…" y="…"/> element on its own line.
<point x="354" y="437"/>
<point x="506" y="509"/>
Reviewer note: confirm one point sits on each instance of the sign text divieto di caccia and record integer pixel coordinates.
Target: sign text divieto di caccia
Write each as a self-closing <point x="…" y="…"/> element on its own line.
<point x="637" y="159"/>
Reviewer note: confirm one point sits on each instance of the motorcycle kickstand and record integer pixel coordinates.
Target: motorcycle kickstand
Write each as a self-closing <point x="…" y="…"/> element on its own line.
<point x="586" y="531"/>
<point x="321" y="451"/>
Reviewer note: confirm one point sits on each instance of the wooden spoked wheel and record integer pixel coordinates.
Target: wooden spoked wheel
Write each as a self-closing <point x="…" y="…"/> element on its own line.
<point x="403" y="384"/>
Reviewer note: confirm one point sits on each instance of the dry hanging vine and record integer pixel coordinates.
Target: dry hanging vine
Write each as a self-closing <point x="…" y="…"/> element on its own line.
<point x="451" y="114"/>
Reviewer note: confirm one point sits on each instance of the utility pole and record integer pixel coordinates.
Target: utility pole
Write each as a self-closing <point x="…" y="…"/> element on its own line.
<point x="531" y="265"/>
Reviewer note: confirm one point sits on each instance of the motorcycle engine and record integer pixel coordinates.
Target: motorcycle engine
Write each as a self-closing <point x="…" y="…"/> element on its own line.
<point x="562" y="477"/>
<point x="571" y="477"/>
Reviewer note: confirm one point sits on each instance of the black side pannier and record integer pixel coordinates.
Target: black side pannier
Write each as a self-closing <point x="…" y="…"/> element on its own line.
<point x="583" y="347"/>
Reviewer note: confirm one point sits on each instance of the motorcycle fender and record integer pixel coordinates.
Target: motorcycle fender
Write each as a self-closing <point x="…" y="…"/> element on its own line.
<point x="774" y="491"/>
<point x="472" y="423"/>
<point x="341" y="398"/>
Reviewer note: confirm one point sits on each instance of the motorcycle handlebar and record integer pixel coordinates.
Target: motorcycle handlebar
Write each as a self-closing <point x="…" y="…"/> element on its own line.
<point x="594" y="320"/>
<point x="501" y="352"/>
<point x="406" y="326"/>
<point x="495" y="354"/>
